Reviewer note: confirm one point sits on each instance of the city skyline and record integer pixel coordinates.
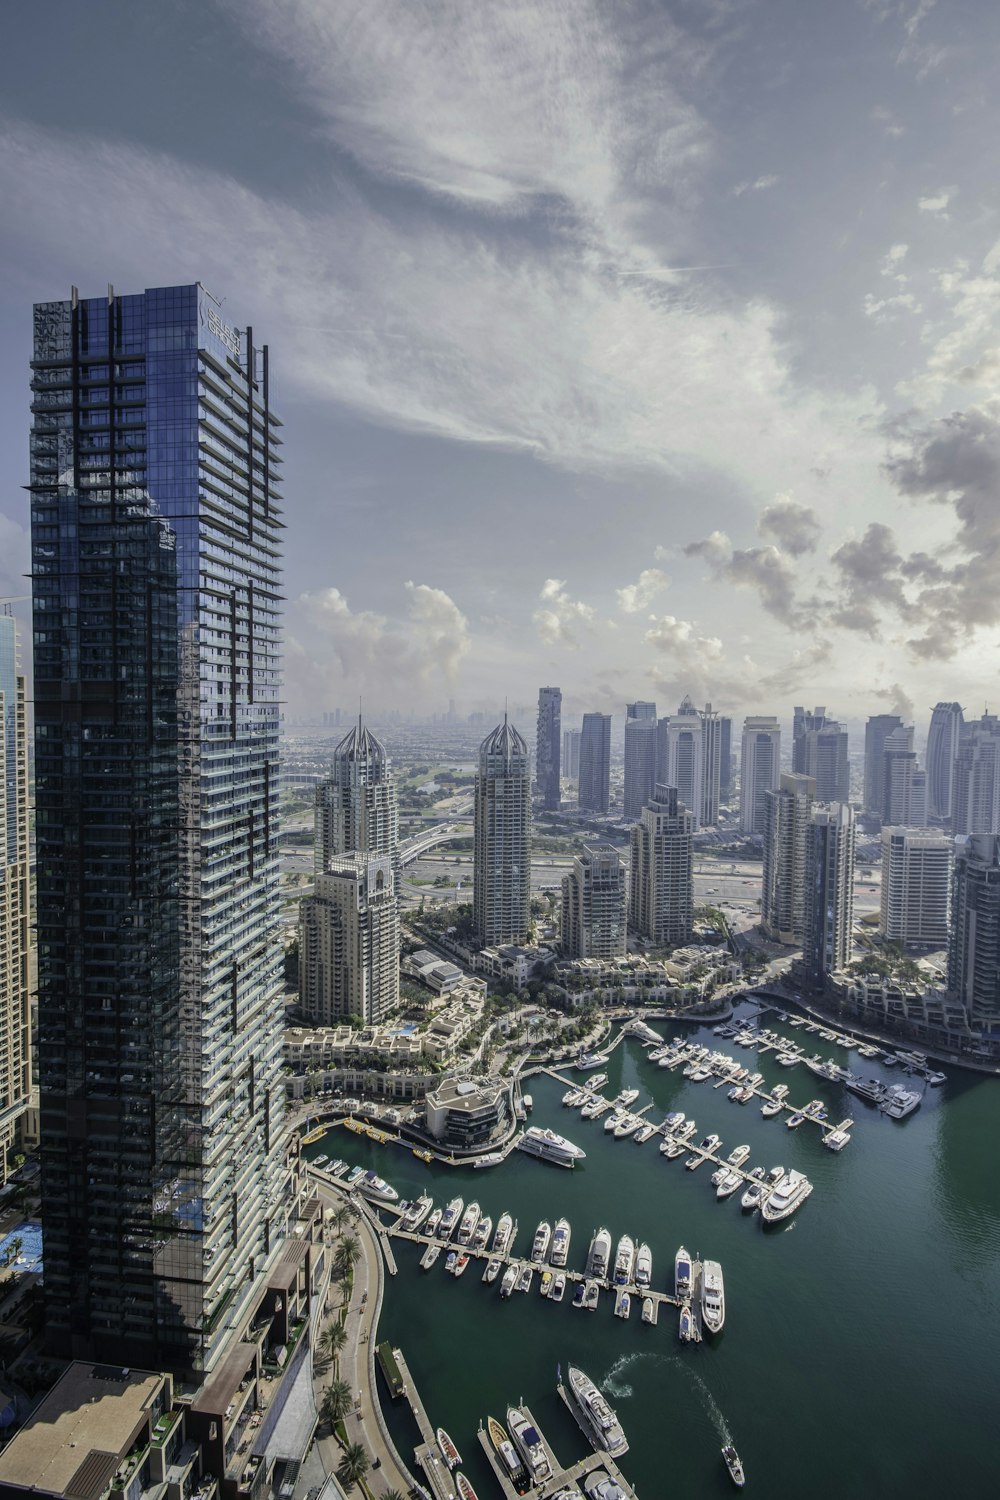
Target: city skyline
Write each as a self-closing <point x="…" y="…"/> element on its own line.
<point x="749" y="465"/>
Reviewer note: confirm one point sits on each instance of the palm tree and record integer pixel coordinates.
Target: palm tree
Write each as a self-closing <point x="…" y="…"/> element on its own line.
<point x="333" y="1339"/>
<point x="336" y="1402"/>
<point x="341" y="1216"/>
<point x="354" y="1465"/>
<point x="393" y="1494"/>
<point x="348" y="1251"/>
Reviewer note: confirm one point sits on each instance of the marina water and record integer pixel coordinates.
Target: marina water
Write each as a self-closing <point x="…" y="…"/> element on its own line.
<point x="861" y="1351"/>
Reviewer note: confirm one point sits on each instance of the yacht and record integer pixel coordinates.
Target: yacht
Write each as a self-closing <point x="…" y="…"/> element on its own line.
<point x="510" y="1460"/>
<point x="670" y="1147"/>
<point x="591" y="1296"/>
<point x="734" y="1466"/>
<point x="434" y="1221"/>
<point x="592" y="1106"/>
<point x="504" y="1234"/>
<point x="483" y="1231"/>
<point x="597" y="1082"/>
<point x="710" y="1143"/>
<point x="867" y="1050"/>
<point x="579" y="1292"/>
<point x="935" y="1079"/>
<point x="374" y="1187"/>
<point x="468" y="1225"/>
<point x="417" y="1213"/>
<point x="755" y="1190"/>
<point x="694" y="1162"/>
<point x="785" y="1197"/>
<point x="685" y="1131"/>
<point x="627" y="1097"/>
<point x="598" y="1485"/>
<point x="713" y="1296"/>
<point x="912" y="1059"/>
<point x="836" y="1140"/>
<point x="795" y="1120"/>
<point x="599" y="1255"/>
<point x="320" y="1161"/>
<point x="627" y="1125"/>
<point x="624" y="1260"/>
<point x="461" y="1264"/>
<point x="780" y="1091"/>
<point x="450" y="1218"/>
<point x="528" y="1442"/>
<point x="728" y="1183"/>
<point x="493" y="1268"/>
<point x="595" y="1415"/>
<point x="643" y="1134"/>
<point x="590" y="1060"/>
<point x="429" y="1257"/>
<point x="889" y="1060"/>
<point x="686" y="1327"/>
<point x="540" y="1244"/>
<point x="815" y="1109"/>
<point x="524" y="1280"/>
<point x="560" y="1242"/>
<point x="451" y="1262"/>
<point x="898" y="1102"/>
<point x="550" y="1147"/>
<point x="613" y="1120"/>
<point x="558" y="1287"/>
<point x="771" y="1108"/>
<point x="643" y="1265"/>
<point x="449" y="1452"/>
<point x="648" y="1310"/>
<point x="682" y="1274"/>
<point x="338" y="1168"/>
<point x="353" y="1175"/>
<point x="828" y="1070"/>
<point x="491" y="1159"/>
<point x="870" y="1089"/>
<point x="509" y="1281"/>
<point x="738" y="1157"/>
<point x="623" y="1303"/>
<point x="574" y="1096"/>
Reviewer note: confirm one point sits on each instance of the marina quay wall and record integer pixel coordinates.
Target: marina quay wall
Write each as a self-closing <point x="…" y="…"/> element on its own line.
<point x="930" y="1014"/>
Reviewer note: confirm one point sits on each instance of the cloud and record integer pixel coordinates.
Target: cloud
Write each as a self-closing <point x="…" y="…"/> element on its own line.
<point x="635" y="597"/>
<point x="561" y="620"/>
<point x="764" y="570"/>
<point x="756" y="185"/>
<point x="364" y="647"/>
<point x="891" y="126"/>
<point x="795" y="528"/>
<point x="897" y="701"/>
<point x="882" y="309"/>
<point x="937" y="204"/>
<point x="868" y="576"/>
<point x="15" y="563"/>
<point x="797" y="672"/>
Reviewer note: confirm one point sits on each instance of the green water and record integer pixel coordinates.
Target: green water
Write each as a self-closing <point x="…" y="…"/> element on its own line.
<point x="861" y="1352"/>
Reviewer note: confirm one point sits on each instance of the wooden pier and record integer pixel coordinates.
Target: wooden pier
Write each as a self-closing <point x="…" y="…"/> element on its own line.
<point x="426" y="1452"/>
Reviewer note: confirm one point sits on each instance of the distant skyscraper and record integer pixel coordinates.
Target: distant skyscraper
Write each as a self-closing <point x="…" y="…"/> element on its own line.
<point x="711" y="766"/>
<point x="916" y="887"/>
<point x="725" y="758"/>
<point x="976" y="785"/>
<point x="571" y="754"/>
<point x="786" y="837"/>
<point x="661" y="888"/>
<point x="904" y="784"/>
<point x="760" y="768"/>
<point x="877" y="730"/>
<point x="548" y="745"/>
<point x="593" y="904"/>
<point x="156" y="531"/>
<point x="356" y="806"/>
<point x="829" y="912"/>
<point x="595" y="763"/>
<point x="821" y="752"/>
<point x="349" y="942"/>
<point x="15" y="897"/>
<point x="502" y="856"/>
<point x="974" y="950"/>
<point x="943" y="740"/>
<point x="803" y="723"/>
<point x="640" y="757"/>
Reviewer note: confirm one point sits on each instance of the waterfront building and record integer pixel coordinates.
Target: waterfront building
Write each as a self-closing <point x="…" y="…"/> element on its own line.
<point x="571" y="754"/>
<point x="356" y="808"/>
<point x="593" y="904"/>
<point x="501" y="894"/>
<point x="156" y="554"/>
<point x="976" y="784"/>
<point x="15" y="899"/>
<point x="786" y="831"/>
<point x="877" y="730"/>
<point x="904" y="784"/>
<point x="943" y="740"/>
<point x="760" y="769"/>
<point x="548" y="743"/>
<point x="725" y="758"/>
<point x="595" y="763"/>
<point x="465" y="1115"/>
<point x="829" y="907"/>
<point x="974" y="950"/>
<point x="916" y="887"/>
<point x="640" y="757"/>
<point x="661" y="888"/>
<point x="349" y="942"/>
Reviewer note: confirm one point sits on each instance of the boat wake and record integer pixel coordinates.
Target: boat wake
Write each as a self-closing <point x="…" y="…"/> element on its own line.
<point x="613" y="1382"/>
<point x="711" y="1406"/>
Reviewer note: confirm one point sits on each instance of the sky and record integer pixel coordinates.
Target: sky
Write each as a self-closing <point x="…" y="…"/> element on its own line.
<point x="638" y="348"/>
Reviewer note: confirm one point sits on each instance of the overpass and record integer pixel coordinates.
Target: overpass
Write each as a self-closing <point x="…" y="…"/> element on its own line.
<point x="419" y="843"/>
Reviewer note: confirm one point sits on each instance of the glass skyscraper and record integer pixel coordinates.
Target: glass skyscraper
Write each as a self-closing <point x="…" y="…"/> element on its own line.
<point x="15" y="896"/>
<point x="155" y="536"/>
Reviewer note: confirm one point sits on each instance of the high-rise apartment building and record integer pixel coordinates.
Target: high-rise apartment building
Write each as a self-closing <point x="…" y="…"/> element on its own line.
<point x="877" y="730"/>
<point x="571" y="754"/>
<point x="760" y="768"/>
<point x="156" y="545"/>
<point x="711" y="766"/>
<point x="548" y="744"/>
<point x="349" y="942"/>
<point x="725" y="758"/>
<point x="904" y="784"/>
<point x="829" y="914"/>
<point x="661" y="883"/>
<point x="786" y="837"/>
<point x="595" y="763"/>
<point x="356" y="805"/>
<point x="682" y="758"/>
<point x="974" y="949"/>
<point x="804" y="724"/>
<point x="593" y="904"/>
<point x="640" y="757"/>
<point x="501" y="896"/>
<point x="822" y="753"/>
<point x="916" y="887"/>
<point x="943" y="740"/>
<point x="15" y="897"/>
<point x="976" y="784"/>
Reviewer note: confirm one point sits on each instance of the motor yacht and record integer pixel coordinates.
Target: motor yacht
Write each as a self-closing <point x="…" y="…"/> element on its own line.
<point x="713" y="1296"/>
<point x="550" y="1146"/>
<point x="613" y="1120"/>
<point x="627" y="1125"/>
<point x="429" y="1257"/>
<point x="710" y="1143"/>
<point x="574" y="1096"/>
<point x="785" y="1197"/>
<point x="591" y="1295"/>
<point x="493" y="1269"/>
<point x="899" y="1102"/>
<point x="682" y="1274"/>
<point x="643" y="1265"/>
<point x="771" y="1108"/>
<point x="671" y="1148"/>
<point x="795" y="1120"/>
<point x="755" y="1190"/>
<point x="733" y="1464"/>
<point x="624" y="1260"/>
<point x="598" y="1485"/>
<point x="417" y="1213"/>
<point x="510" y="1460"/>
<point x="528" y="1442"/>
<point x="596" y="1083"/>
<point x="728" y="1183"/>
<point x="525" y="1278"/>
<point x="685" y="1131"/>
<point x="836" y="1140"/>
<point x="558" y="1287"/>
<point x="509" y="1281"/>
<point x="504" y="1234"/>
<point x="434" y="1221"/>
<point x="560" y="1242"/>
<point x="376" y="1189"/>
<point x="467" y="1228"/>
<point x="483" y="1231"/>
<point x="623" y="1303"/>
<point x="540" y="1244"/>
<point x="738" y="1157"/>
<point x="686" y="1326"/>
<point x="594" y="1413"/>
<point x="599" y="1255"/>
<point x="627" y="1097"/>
<point x="450" y="1218"/>
<point x="694" y="1162"/>
<point x="644" y="1133"/>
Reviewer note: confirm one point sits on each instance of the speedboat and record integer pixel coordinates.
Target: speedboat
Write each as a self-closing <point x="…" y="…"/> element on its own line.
<point x="429" y="1256"/>
<point x="684" y="1131"/>
<point x="624" y="1260"/>
<point x="623" y="1303"/>
<point x="710" y="1143"/>
<point x="734" y="1466"/>
<point x="504" y="1234"/>
<point x="468" y="1225"/>
<point x="483" y="1231"/>
<point x="597" y="1082"/>
<point x="694" y="1162"/>
<point x="353" y="1175"/>
<point x="794" y="1121"/>
<point x="434" y="1221"/>
<point x="579" y="1292"/>
<point x="525" y="1278"/>
<point x="450" y="1218"/>
<point x="558" y="1290"/>
<point x="545" y="1285"/>
<point x="320" y="1161"/>
<point x="738" y="1157"/>
<point x="772" y="1107"/>
<point x="340" y="1167"/>
<point x="599" y="1256"/>
<point x="671" y="1148"/>
<point x="643" y="1265"/>
<point x="643" y="1134"/>
<point x="785" y="1197"/>
<point x="682" y="1274"/>
<point x="510" y="1459"/>
<point x="627" y="1125"/>
<point x="613" y="1121"/>
<point x="492" y="1270"/>
<point x="528" y="1442"/>
<point x="449" y="1452"/>
<point x="754" y="1195"/>
<point x="560" y="1242"/>
<point x="595" y="1415"/>
<point x="935" y="1079"/>
<point x="509" y="1281"/>
<point x="460" y="1265"/>
<point x="686" y="1326"/>
<point x="713" y="1296"/>
<point x="591" y="1295"/>
<point x="540" y="1244"/>
<point x="451" y="1262"/>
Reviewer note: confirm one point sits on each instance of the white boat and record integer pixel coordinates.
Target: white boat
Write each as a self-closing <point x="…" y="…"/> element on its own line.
<point x="598" y="1485"/>
<point x="463" y="1488"/>
<point x="550" y="1146"/>
<point x="912" y="1059"/>
<point x="780" y="1091"/>
<point x="595" y="1415"/>
<point x="376" y="1189"/>
<point x="673" y="1120"/>
<point x="450" y="1218"/>
<point x="528" y="1102"/>
<point x="459" y="1268"/>
<point x="509" y="1281"/>
<point x="449" y="1452"/>
<point x="686" y="1326"/>
<point x="591" y="1295"/>
<point x="510" y="1459"/>
<point x="434" y="1221"/>
<point x="643" y="1134"/>
<point x="771" y="1108"/>
<point x="899" y="1102"/>
<point x="525" y="1278"/>
<point x="528" y="1442"/>
<point x="735" y="1467"/>
<point x="504" y="1234"/>
<point x="593" y="1106"/>
<point x="794" y="1120"/>
<point x="429" y="1256"/>
<point x="599" y="1255"/>
<point x="836" y="1140"/>
<point x="623" y="1303"/>
<point x="613" y="1121"/>
<point x="540" y="1244"/>
<point x="685" y="1131"/>
<point x="574" y="1096"/>
<point x="353" y="1175"/>
<point x="728" y="1183"/>
<point x="671" y="1148"/>
<point x="627" y="1125"/>
<point x="755" y="1190"/>
<point x="483" y="1231"/>
<point x="491" y="1159"/>
<point x="597" y="1082"/>
<point x="713" y="1296"/>
<point x="710" y="1143"/>
<point x="320" y="1161"/>
<point x="558" y="1287"/>
<point x="545" y="1286"/>
<point x="560" y="1242"/>
<point x="785" y="1197"/>
<point x="738" y="1157"/>
<point x="648" y="1310"/>
<point x="872" y="1090"/>
<point x="627" y="1097"/>
<point x="682" y="1274"/>
<point x="468" y="1225"/>
<point x="590" y="1060"/>
<point x="624" y="1260"/>
<point x="417" y="1213"/>
<point x="493" y="1268"/>
<point x="643" y="1265"/>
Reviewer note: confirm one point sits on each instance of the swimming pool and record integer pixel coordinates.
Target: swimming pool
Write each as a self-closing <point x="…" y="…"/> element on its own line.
<point x="29" y="1256"/>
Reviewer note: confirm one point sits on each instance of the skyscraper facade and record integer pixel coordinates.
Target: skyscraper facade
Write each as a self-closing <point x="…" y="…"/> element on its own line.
<point x="711" y="766"/>
<point x="786" y="836"/>
<point x="803" y="724"/>
<point x="595" y="763"/>
<point x="760" y="768"/>
<point x="661" y="876"/>
<point x="156" y="526"/>
<point x="822" y="753"/>
<point x="682" y="762"/>
<point x="916" y="887"/>
<point x="15" y="897"/>
<point x="571" y="754"/>
<point x="548" y="744"/>
<point x="877" y="730"/>
<point x="974" y="950"/>
<point x="829" y="914"/>
<point x="976" y="784"/>
<point x="640" y="757"/>
<point x="725" y="758"/>
<point x="904" y="783"/>
<point x="593" y="904"/>
<point x="356" y="805"/>
<point x="501" y="896"/>
<point x="943" y="740"/>
<point x="349" y="942"/>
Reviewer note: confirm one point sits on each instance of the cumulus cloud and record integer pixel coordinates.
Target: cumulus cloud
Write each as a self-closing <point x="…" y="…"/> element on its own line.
<point x="797" y="672"/>
<point x="764" y="570"/>
<point x="561" y="620"/>
<point x="868" y="574"/>
<point x="635" y="597"/>
<point x="937" y="204"/>
<point x="363" y="646"/>
<point x="897" y="701"/>
<point x="794" y="527"/>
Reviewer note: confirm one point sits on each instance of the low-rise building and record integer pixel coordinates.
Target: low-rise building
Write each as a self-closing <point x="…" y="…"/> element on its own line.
<point x="436" y="972"/>
<point x="514" y="964"/>
<point x="466" y="1114"/>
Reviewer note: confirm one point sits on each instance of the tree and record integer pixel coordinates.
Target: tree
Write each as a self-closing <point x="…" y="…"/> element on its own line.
<point x="346" y="1257"/>
<point x="336" y="1402"/>
<point x="341" y="1216"/>
<point x="354" y="1465"/>
<point x="392" y="1494"/>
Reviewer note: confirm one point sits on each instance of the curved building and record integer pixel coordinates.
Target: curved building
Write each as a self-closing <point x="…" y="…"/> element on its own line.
<point x="502" y="859"/>
<point x="943" y="739"/>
